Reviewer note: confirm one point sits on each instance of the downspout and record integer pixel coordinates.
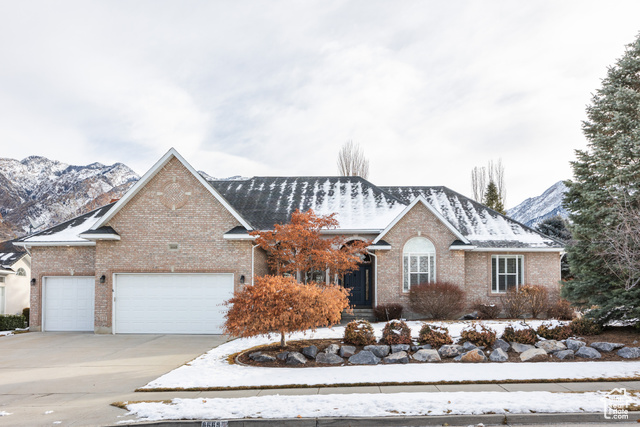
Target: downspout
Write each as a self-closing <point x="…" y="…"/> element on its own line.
<point x="375" y="278"/>
<point x="253" y="247"/>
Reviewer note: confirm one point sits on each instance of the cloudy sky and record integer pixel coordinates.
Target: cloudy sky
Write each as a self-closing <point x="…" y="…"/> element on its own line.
<point x="429" y="89"/>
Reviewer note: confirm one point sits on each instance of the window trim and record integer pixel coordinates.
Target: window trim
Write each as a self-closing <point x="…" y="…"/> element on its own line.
<point x="431" y="261"/>
<point x="21" y="270"/>
<point x="495" y="273"/>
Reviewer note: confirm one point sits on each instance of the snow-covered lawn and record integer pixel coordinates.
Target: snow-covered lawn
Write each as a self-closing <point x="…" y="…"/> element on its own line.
<point x="212" y="369"/>
<point x="372" y="405"/>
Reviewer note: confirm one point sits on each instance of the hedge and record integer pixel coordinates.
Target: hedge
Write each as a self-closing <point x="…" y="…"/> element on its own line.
<point x="12" y="321"/>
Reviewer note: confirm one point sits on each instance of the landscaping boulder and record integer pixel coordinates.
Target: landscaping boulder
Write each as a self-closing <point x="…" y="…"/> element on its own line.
<point x="311" y="351"/>
<point x="565" y="354"/>
<point x="573" y="344"/>
<point x="330" y="358"/>
<point x="365" y="357"/>
<point x="533" y="354"/>
<point x="295" y="358"/>
<point x="379" y="350"/>
<point x="501" y="344"/>
<point x="426" y="355"/>
<point x="551" y="346"/>
<point x="398" y="357"/>
<point x="282" y="356"/>
<point x="421" y="347"/>
<point x="629" y="352"/>
<point x="473" y="356"/>
<point x="498" y="355"/>
<point x="258" y="356"/>
<point x="347" y="350"/>
<point x="468" y="346"/>
<point x="521" y="348"/>
<point x="451" y="350"/>
<point x="397" y="348"/>
<point x="588" y="353"/>
<point x="332" y="349"/>
<point x="606" y="346"/>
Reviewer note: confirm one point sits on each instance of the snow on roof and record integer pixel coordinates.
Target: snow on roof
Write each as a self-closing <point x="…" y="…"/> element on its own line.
<point x="68" y="231"/>
<point x="358" y="204"/>
<point x="482" y="226"/>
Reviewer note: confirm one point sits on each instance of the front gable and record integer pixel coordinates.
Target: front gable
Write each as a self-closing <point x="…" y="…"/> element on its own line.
<point x="172" y="193"/>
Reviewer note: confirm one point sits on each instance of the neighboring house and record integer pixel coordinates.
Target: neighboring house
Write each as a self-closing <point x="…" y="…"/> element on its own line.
<point x="164" y="257"/>
<point x="15" y="272"/>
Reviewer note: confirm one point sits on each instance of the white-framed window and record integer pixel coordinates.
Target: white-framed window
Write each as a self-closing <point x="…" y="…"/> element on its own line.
<point x="2" y="279"/>
<point x="507" y="272"/>
<point x="419" y="262"/>
<point x="21" y="272"/>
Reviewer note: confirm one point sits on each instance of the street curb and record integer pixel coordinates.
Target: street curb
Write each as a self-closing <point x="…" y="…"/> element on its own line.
<point x="451" y="420"/>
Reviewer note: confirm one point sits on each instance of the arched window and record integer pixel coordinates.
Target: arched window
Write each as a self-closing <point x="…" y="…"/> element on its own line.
<point x="419" y="262"/>
<point x="21" y="272"/>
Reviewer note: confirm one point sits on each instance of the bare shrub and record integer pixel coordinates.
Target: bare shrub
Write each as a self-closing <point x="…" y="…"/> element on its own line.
<point x="396" y="332"/>
<point x="440" y="300"/>
<point x="386" y="312"/>
<point x="486" y="311"/>
<point x="359" y="332"/>
<point x="436" y="336"/>
<point x="537" y="299"/>
<point x="558" y="332"/>
<point x="524" y="336"/>
<point x="561" y="310"/>
<point x="478" y="334"/>
<point x="514" y="303"/>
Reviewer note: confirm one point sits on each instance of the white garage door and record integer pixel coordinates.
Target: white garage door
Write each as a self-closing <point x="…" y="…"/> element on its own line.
<point x="68" y="303"/>
<point x="171" y="303"/>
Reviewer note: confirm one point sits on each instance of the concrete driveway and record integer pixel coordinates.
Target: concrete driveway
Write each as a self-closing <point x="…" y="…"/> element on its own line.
<point x="70" y="379"/>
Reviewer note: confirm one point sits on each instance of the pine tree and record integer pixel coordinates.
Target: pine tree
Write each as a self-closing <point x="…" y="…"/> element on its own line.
<point x="492" y="198"/>
<point x="555" y="227"/>
<point x="605" y="175"/>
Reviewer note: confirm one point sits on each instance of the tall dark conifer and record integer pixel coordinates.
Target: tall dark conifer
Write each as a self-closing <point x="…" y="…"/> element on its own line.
<point x="606" y="174"/>
<point x="492" y="198"/>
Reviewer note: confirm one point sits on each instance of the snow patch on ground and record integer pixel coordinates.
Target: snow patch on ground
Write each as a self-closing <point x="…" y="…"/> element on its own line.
<point x="371" y="405"/>
<point x="6" y="333"/>
<point x="213" y="370"/>
<point x="4" y="414"/>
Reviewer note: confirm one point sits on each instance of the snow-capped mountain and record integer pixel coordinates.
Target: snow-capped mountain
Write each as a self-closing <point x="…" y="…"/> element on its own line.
<point x="36" y="192"/>
<point x="537" y="209"/>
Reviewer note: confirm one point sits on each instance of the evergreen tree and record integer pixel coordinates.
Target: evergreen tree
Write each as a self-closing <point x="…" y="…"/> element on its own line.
<point x="605" y="175"/>
<point x="492" y="198"/>
<point x="555" y="227"/>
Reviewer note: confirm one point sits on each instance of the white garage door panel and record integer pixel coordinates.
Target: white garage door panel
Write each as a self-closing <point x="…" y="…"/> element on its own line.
<point x="69" y="303"/>
<point x="171" y="303"/>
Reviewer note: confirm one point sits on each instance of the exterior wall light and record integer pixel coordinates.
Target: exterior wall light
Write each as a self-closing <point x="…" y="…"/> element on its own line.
<point x="242" y="279"/>
<point x="103" y="279"/>
<point x="33" y="282"/>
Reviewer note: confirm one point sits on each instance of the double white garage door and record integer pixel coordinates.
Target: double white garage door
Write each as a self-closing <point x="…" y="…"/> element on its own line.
<point x="143" y="303"/>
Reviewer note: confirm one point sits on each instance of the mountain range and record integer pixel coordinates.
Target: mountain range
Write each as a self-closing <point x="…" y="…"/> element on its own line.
<point x="37" y="193"/>
<point x="536" y="209"/>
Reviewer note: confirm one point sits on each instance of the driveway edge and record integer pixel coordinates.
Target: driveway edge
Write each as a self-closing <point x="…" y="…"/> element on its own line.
<point x="451" y="420"/>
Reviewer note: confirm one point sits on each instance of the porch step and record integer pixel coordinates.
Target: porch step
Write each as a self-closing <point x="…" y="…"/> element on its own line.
<point x="359" y="314"/>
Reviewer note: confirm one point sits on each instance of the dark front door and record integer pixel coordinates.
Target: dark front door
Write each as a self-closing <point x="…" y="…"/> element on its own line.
<point x="360" y="281"/>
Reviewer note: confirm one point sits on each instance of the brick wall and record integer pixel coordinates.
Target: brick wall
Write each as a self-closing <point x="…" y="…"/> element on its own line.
<point x="56" y="261"/>
<point x="172" y="208"/>
<point x="469" y="270"/>
<point x="418" y="222"/>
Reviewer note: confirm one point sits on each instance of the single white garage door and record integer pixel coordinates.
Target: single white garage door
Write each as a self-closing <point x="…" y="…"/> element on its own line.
<point x="68" y="303"/>
<point x="171" y="303"/>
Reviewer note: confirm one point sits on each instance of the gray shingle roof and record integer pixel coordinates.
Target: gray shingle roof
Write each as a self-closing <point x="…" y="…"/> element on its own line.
<point x="265" y="201"/>
<point x="484" y="227"/>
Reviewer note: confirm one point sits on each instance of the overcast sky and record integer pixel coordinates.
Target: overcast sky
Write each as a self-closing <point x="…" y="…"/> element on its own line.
<point x="429" y="89"/>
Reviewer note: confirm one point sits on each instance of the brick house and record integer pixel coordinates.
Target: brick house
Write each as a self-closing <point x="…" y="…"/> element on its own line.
<point x="164" y="257"/>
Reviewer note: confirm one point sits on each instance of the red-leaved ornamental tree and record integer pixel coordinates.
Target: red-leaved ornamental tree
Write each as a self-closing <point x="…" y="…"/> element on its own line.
<point x="277" y="304"/>
<point x="299" y="249"/>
